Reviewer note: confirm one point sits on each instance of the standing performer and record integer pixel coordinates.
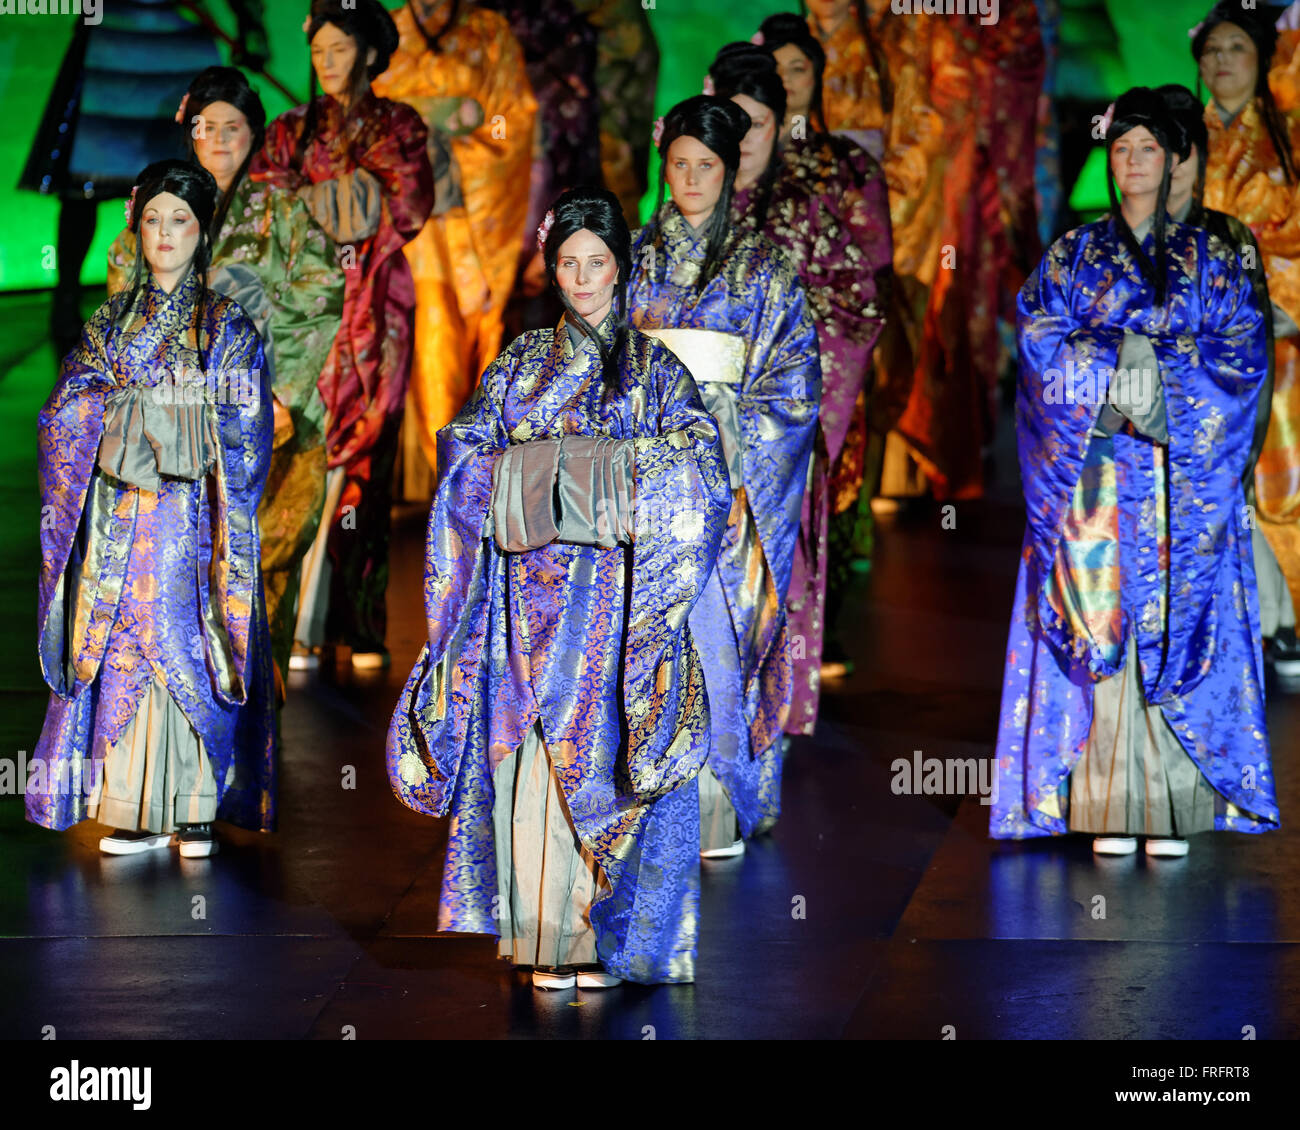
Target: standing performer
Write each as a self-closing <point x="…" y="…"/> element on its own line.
<point x="1251" y="174"/>
<point x="824" y="202"/>
<point x="463" y="70"/>
<point x="558" y="710"/>
<point x="359" y="164"/>
<point x="1133" y="701"/>
<point x="1186" y="203"/>
<point x="270" y="257"/>
<point x="153" y="635"/>
<point x="731" y="307"/>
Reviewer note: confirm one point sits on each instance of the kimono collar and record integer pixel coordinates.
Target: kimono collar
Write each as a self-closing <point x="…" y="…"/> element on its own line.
<point x="680" y="238"/>
<point x="576" y="340"/>
<point x="337" y="120"/>
<point x="1216" y="118"/>
<point x="175" y="308"/>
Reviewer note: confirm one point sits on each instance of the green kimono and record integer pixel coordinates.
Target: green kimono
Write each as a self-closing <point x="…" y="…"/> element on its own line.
<point x="274" y="261"/>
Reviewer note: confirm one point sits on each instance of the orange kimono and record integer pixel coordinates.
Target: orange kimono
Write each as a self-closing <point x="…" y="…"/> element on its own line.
<point x="1284" y="74"/>
<point x="1243" y="178"/>
<point x="474" y="96"/>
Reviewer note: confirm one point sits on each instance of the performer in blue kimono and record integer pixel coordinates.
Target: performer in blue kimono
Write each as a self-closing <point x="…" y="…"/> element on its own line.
<point x="558" y="711"/>
<point x="153" y="452"/>
<point x="733" y="310"/>
<point x="1133" y="699"/>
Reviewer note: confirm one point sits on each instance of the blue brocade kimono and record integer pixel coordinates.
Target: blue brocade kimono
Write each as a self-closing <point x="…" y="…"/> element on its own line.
<point x="592" y="641"/>
<point x="1126" y="535"/>
<point x="137" y="584"/>
<point x="750" y="341"/>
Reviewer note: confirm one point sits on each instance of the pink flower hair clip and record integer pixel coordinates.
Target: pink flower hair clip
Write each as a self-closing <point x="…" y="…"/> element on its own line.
<point x="756" y="39"/>
<point x="306" y="24"/>
<point x="1192" y="32"/>
<point x="659" y="131"/>
<point x="1106" y="119"/>
<point x="709" y="88"/>
<point x="180" y="110"/>
<point x="130" y="204"/>
<point x="544" y="229"/>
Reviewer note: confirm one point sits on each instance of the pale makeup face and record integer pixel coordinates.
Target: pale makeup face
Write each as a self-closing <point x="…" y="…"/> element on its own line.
<point x="756" y="147"/>
<point x="1138" y="164"/>
<point x="798" y="77"/>
<point x="1229" y="65"/>
<point x="169" y="235"/>
<point x="586" y="271"/>
<point x="224" y="140"/>
<point x="695" y="176"/>
<point x="333" y="55"/>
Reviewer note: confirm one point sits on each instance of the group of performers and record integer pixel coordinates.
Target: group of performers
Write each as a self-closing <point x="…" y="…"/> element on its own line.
<point x="642" y="517"/>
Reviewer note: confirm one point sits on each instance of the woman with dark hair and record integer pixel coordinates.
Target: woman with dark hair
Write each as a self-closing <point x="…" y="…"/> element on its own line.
<point x="1187" y="204"/>
<point x="558" y="712"/>
<point x="153" y="452"/>
<point x="801" y="64"/>
<point x="731" y="307"/>
<point x="463" y="70"/>
<point x="270" y="257"/>
<point x="1251" y="173"/>
<point x="823" y="201"/>
<point x="358" y="162"/>
<point x="1133" y="699"/>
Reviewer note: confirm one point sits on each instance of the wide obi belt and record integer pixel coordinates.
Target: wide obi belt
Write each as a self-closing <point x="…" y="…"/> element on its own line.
<point x="717" y="362"/>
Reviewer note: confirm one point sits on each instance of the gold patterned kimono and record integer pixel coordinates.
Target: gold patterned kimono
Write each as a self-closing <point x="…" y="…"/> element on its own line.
<point x="475" y="98"/>
<point x="1244" y="179"/>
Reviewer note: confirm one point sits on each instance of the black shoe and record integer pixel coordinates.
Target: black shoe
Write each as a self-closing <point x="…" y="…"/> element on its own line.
<point x="196" y="841"/>
<point x="1283" y="653"/>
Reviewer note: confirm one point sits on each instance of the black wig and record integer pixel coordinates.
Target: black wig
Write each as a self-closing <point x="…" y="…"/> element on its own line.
<point x="1258" y="23"/>
<point x="787" y="29"/>
<point x="225" y="84"/>
<point x="742" y="68"/>
<point x="196" y="186"/>
<point x="717" y="124"/>
<point x="1186" y="109"/>
<point x="598" y="211"/>
<point x="369" y="23"/>
<point x="1142" y="106"/>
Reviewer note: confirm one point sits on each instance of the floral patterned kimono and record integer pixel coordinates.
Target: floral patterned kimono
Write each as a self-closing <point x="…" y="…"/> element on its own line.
<point x="153" y="636"/>
<point x="829" y="214"/>
<point x="366" y="179"/>
<point x="1243" y="178"/>
<point x="559" y="674"/>
<point x="750" y="341"/>
<point x="278" y="265"/>
<point x="475" y="99"/>
<point x="1133" y="698"/>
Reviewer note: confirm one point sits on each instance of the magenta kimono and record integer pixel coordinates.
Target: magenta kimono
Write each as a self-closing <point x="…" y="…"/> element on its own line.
<point x="829" y="213"/>
<point x="366" y="178"/>
<point x="590" y="640"/>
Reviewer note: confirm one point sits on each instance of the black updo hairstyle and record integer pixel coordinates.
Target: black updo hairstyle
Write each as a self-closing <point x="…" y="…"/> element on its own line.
<point x="598" y="211"/>
<point x="225" y="84"/>
<point x="720" y="125"/>
<point x="369" y="23"/>
<point x="1257" y="24"/>
<point x="196" y="186"/>
<point x="1142" y="106"/>
<point x="787" y="29"/>
<point x="1187" y="110"/>
<point x="742" y="68"/>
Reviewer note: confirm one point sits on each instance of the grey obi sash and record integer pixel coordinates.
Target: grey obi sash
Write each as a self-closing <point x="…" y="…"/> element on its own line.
<point x="144" y="439"/>
<point x="717" y="362"/>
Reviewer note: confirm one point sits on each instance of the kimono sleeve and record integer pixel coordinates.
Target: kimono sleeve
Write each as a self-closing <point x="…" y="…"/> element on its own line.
<point x="274" y="162"/>
<point x="399" y="159"/>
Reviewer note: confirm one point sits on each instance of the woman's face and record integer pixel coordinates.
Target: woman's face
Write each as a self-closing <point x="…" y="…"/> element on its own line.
<point x="1229" y="64"/>
<point x="695" y="176"/>
<point x="796" y="71"/>
<point x="1137" y="162"/>
<point x="333" y="55"/>
<point x="756" y="148"/>
<point x="224" y="140"/>
<point x="586" y="271"/>
<point x="1182" y="181"/>
<point x="169" y="233"/>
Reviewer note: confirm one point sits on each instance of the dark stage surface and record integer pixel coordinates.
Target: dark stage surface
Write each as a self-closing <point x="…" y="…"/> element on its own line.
<point x="912" y="919"/>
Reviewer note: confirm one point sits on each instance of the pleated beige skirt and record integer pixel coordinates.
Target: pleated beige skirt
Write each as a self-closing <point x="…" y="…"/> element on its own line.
<point x="1135" y="778"/>
<point x="314" y="587"/>
<point x="719" y="827"/>
<point x="546" y="879"/>
<point x="157" y="774"/>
